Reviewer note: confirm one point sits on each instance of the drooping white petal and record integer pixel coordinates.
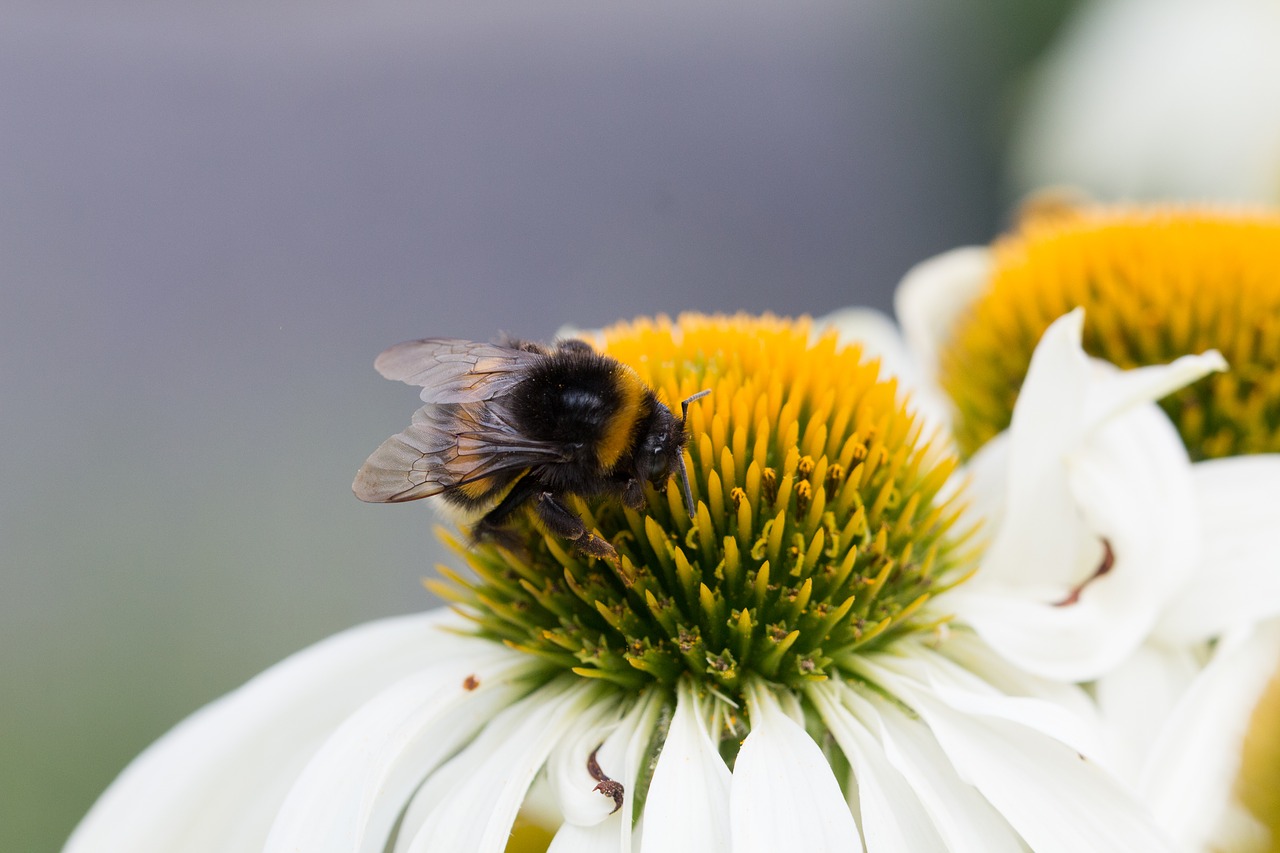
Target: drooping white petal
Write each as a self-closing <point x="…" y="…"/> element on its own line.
<point x="784" y="795"/>
<point x="471" y="802"/>
<point x="1092" y="465"/>
<point x="961" y="816"/>
<point x="216" y="781"/>
<point x="893" y="818"/>
<point x="352" y="792"/>
<point x="1136" y="696"/>
<point x="1238" y="579"/>
<point x="687" y="810"/>
<point x="1054" y="798"/>
<point x="1190" y="773"/>
<point x="934" y="295"/>
<point x="1060" y="714"/>
<point x="973" y="656"/>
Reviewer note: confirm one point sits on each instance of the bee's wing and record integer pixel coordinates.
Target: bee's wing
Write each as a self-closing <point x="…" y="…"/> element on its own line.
<point x="455" y="371"/>
<point x="447" y="446"/>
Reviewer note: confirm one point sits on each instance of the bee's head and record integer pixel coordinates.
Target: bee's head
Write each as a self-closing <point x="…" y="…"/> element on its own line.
<point x="660" y="452"/>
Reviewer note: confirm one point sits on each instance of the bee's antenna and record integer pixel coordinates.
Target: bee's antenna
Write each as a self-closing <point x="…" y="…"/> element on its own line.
<point x="684" y="474"/>
<point x="684" y="406"/>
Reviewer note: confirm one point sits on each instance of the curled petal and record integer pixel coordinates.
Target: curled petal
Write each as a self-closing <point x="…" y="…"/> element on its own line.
<point x="1097" y="529"/>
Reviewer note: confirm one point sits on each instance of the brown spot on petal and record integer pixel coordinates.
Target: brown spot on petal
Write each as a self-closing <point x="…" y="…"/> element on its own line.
<point x="471" y="682"/>
<point x="607" y="786"/>
<point x="1107" y="564"/>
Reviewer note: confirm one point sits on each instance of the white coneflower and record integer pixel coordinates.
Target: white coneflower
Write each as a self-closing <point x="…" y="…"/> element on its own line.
<point x="1150" y="528"/>
<point x="775" y="674"/>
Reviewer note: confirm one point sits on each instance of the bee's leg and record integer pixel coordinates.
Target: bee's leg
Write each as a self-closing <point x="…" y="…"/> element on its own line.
<point x="562" y="521"/>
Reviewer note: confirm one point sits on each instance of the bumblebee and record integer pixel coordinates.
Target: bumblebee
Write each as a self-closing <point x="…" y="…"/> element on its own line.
<point x="525" y="425"/>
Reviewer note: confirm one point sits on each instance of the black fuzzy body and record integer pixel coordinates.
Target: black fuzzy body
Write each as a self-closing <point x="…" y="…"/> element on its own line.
<point x="587" y="405"/>
<point x="519" y="425"/>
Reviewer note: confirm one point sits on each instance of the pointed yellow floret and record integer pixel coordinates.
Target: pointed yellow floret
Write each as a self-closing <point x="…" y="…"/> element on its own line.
<point x="1156" y="284"/>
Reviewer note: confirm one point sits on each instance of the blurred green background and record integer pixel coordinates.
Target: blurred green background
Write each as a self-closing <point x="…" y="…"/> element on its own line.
<point x="215" y="216"/>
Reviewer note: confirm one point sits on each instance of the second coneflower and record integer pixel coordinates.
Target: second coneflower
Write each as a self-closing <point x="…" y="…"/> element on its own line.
<point x="1130" y="542"/>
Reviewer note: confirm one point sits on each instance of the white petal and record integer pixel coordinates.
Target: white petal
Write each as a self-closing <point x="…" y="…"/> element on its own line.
<point x="1190" y="775"/>
<point x="471" y="802"/>
<point x="1134" y="697"/>
<point x="964" y="819"/>
<point x="785" y="796"/>
<point x="1238" y="580"/>
<point x="893" y="818"/>
<point x="216" y="781"/>
<point x="1090" y="460"/>
<point x="687" y="810"/>
<point x="351" y="794"/>
<point x="934" y="295"/>
<point x="1055" y="799"/>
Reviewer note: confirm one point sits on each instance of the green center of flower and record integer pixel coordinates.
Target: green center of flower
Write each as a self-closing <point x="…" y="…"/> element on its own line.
<point x="1155" y="284"/>
<point x="819" y="528"/>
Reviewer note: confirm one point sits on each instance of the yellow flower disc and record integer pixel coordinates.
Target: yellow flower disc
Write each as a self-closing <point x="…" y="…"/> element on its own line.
<point x="1155" y="283"/>
<point x="819" y="528"/>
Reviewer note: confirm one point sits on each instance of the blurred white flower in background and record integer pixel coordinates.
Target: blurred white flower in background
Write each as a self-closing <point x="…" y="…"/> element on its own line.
<point x="1151" y="98"/>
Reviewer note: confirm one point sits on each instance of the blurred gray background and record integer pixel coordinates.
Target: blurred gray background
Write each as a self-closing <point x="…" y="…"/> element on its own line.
<point x="214" y="215"/>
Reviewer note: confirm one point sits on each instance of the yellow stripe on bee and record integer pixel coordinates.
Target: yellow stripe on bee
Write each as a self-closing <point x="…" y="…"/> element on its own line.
<point x="486" y="492"/>
<point x="477" y="489"/>
<point x="616" y="437"/>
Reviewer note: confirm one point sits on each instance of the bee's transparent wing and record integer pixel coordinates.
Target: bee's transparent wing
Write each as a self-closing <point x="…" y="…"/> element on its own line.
<point x="447" y="446"/>
<point x="451" y="370"/>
